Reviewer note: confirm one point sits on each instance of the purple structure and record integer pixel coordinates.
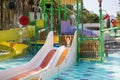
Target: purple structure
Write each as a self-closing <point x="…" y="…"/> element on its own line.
<point x="66" y="29"/>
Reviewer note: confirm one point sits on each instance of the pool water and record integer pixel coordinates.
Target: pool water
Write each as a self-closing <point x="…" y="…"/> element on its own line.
<point x="91" y="70"/>
<point x="10" y="63"/>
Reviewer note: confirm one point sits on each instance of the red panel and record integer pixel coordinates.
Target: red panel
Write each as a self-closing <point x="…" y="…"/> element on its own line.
<point x="47" y="59"/>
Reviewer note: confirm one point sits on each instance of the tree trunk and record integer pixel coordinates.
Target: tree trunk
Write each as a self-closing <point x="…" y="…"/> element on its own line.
<point x="1" y="14"/>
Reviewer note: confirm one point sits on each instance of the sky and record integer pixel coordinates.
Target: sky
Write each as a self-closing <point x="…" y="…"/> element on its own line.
<point x="111" y="6"/>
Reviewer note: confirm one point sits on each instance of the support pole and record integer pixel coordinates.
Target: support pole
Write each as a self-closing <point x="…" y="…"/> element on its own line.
<point x="40" y="12"/>
<point x="44" y="11"/>
<point x="36" y="30"/>
<point x="65" y="14"/>
<point x="1" y="15"/>
<point x="59" y="22"/>
<point x="82" y="19"/>
<point x="101" y="44"/>
<point x="51" y="27"/>
<point x="77" y="25"/>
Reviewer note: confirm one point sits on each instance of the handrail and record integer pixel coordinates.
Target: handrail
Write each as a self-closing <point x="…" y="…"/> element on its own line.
<point x="113" y="28"/>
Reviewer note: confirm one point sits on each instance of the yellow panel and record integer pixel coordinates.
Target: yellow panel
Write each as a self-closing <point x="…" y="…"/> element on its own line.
<point x="14" y="34"/>
<point x="72" y="2"/>
<point x="56" y="39"/>
<point x="40" y="23"/>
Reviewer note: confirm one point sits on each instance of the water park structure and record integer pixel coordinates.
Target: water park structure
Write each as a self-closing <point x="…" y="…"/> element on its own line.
<point x="48" y="25"/>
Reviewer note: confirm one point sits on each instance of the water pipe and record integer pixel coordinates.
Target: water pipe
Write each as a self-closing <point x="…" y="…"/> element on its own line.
<point x="89" y="39"/>
<point x="113" y="28"/>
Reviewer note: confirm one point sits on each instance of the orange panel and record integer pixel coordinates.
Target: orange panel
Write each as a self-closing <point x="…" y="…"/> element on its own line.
<point x="62" y="57"/>
<point x="72" y="2"/>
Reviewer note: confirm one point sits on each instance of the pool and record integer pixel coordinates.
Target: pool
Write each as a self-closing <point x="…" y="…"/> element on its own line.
<point x="10" y="63"/>
<point x="91" y="70"/>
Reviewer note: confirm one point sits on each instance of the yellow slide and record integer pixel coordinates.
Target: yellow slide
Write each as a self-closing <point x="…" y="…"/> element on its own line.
<point x="8" y="52"/>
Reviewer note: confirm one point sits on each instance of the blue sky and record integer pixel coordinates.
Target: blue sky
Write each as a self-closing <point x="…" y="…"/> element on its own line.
<point x="111" y="6"/>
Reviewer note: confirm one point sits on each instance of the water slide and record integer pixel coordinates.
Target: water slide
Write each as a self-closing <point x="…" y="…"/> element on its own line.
<point x="6" y="52"/>
<point x="35" y="73"/>
<point x="17" y="50"/>
<point x="36" y="62"/>
<point x="42" y="59"/>
<point x="47" y="58"/>
<point x="64" y="58"/>
<point x="17" y="35"/>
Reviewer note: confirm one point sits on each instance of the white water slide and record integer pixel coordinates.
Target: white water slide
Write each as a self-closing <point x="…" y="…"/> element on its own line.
<point x="43" y="62"/>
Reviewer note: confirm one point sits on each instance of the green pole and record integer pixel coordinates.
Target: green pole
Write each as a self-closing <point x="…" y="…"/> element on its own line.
<point x="40" y="10"/>
<point x="51" y="27"/>
<point x="59" y="22"/>
<point x="65" y="14"/>
<point x="77" y="25"/>
<point x="29" y="15"/>
<point x="82" y="18"/>
<point x="101" y="44"/>
<point x="36" y="30"/>
<point x="44" y="11"/>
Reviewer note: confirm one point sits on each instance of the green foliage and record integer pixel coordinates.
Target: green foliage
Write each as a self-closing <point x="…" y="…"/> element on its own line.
<point x="118" y="18"/>
<point x="90" y="17"/>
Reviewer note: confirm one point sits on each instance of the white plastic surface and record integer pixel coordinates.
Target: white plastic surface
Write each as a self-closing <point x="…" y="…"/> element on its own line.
<point x="35" y="62"/>
<point x="49" y="66"/>
<point x="69" y="60"/>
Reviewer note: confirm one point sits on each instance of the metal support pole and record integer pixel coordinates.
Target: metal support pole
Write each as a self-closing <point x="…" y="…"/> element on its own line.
<point x="77" y="25"/>
<point x="1" y="16"/>
<point x="41" y="12"/>
<point x="59" y="22"/>
<point x="65" y="14"/>
<point x="82" y="18"/>
<point x="101" y="44"/>
<point x="36" y="30"/>
<point x="44" y="1"/>
<point x="51" y="27"/>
